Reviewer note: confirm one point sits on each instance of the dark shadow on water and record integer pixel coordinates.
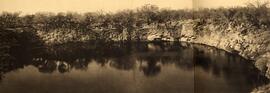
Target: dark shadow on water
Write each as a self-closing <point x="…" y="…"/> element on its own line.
<point x="211" y="70"/>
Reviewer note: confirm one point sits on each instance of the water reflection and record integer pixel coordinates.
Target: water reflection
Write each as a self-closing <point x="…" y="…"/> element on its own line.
<point x="148" y="68"/>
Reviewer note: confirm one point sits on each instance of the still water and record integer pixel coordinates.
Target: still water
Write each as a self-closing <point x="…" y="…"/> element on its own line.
<point x="127" y="68"/>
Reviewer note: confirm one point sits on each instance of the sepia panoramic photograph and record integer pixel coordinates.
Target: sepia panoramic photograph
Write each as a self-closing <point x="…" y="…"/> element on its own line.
<point x="134" y="46"/>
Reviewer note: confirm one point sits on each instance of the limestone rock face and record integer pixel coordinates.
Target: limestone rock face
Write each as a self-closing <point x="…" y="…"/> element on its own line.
<point x="263" y="64"/>
<point x="247" y="42"/>
<point x="59" y="36"/>
<point x="262" y="89"/>
<point x="187" y="32"/>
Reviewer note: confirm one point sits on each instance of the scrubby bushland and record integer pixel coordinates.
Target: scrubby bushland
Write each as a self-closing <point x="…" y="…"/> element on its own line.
<point x="243" y="30"/>
<point x="253" y="15"/>
<point x="132" y="24"/>
<point x="98" y="25"/>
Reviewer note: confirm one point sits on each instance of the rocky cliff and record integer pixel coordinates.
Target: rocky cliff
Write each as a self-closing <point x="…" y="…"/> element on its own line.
<point x="251" y="43"/>
<point x="245" y="40"/>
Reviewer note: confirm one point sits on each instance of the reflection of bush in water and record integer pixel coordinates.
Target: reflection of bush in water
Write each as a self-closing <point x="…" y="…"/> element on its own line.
<point x="10" y="39"/>
<point x="63" y="58"/>
<point x="223" y="64"/>
<point x="151" y="69"/>
<point x="47" y="67"/>
<point x="123" y="63"/>
<point x="51" y="66"/>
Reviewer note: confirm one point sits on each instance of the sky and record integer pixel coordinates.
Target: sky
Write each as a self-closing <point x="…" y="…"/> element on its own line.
<point x="223" y="3"/>
<point x="33" y="6"/>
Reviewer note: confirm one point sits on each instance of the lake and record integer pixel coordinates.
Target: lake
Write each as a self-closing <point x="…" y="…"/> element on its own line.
<point x="117" y="67"/>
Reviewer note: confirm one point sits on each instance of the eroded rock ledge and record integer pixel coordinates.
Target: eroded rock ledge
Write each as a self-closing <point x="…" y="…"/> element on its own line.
<point x="253" y="44"/>
<point x="245" y="40"/>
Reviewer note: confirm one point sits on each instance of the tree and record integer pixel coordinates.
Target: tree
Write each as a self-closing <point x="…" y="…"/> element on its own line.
<point x="42" y="21"/>
<point x="9" y="20"/>
<point x="28" y="20"/>
<point x="148" y="13"/>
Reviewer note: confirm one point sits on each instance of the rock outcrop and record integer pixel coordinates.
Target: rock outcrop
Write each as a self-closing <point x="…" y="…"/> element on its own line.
<point x="245" y="40"/>
<point x="253" y="44"/>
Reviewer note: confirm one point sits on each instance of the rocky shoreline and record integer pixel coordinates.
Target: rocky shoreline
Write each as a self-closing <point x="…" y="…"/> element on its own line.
<point x="248" y="42"/>
<point x="244" y="40"/>
<point x="252" y="45"/>
<point x="241" y="40"/>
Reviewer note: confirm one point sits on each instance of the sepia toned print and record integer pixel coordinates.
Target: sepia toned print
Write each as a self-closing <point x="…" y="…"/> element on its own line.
<point x="134" y="46"/>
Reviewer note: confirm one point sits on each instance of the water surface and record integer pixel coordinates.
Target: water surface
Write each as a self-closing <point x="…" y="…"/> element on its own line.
<point x="127" y="68"/>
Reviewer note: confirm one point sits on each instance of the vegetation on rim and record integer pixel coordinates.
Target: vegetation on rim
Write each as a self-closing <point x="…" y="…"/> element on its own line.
<point x="102" y="26"/>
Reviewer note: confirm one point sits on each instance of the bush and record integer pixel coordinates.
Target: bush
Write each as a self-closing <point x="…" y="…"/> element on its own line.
<point x="103" y="25"/>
